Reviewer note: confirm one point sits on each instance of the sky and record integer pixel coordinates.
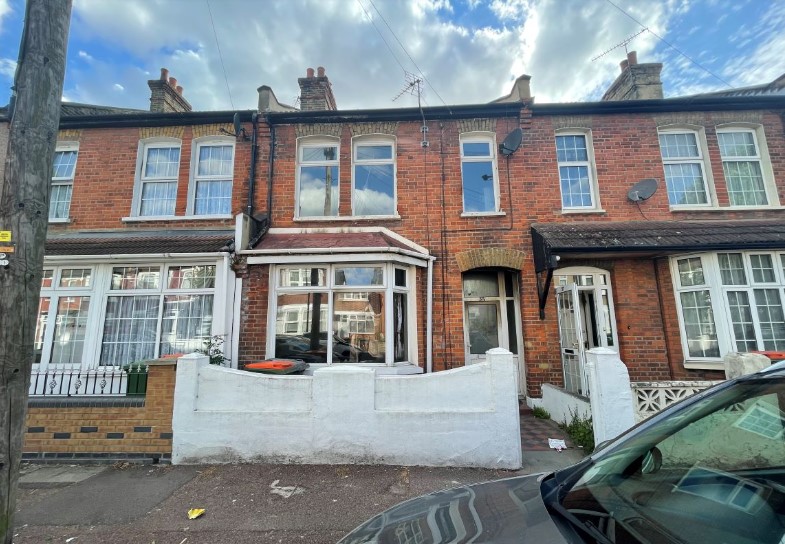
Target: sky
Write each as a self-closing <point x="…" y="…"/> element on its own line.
<point x="466" y="51"/>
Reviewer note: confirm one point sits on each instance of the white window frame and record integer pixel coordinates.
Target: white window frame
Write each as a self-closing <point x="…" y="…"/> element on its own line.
<point x="316" y="141"/>
<point x="378" y="140"/>
<point x="762" y="157"/>
<point x="590" y="165"/>
<point x="719" y="301"/>
<point x="387" y="288"/>
<point x="65" y="180"/>
<point x="194" y="178"/>
<point x="99" y="292"/>
<point x="140" y="180"/>
<point x="490" y="139"/>
<point x="702" y="160"/>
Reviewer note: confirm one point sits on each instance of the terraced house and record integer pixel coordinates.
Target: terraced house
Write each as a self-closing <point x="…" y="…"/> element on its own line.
<point x="414" y="240"/>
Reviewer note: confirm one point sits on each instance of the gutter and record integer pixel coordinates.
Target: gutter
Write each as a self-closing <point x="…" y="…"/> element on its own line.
<point x="150" y="119"/>
<point x="252" y="167"/>
<point x="662" y="105"/>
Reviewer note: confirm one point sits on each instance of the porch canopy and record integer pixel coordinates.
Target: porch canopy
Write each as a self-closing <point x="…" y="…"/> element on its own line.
<point x="615" y="239"/>
<point x="139" y="242"/>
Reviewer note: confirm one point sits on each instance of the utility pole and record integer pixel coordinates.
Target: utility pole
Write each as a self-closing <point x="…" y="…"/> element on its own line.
<point x="34" y="114"/>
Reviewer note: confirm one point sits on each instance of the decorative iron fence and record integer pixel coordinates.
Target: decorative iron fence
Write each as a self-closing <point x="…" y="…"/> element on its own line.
<point x="107" y="381"/>
<point x="651" y="397"/>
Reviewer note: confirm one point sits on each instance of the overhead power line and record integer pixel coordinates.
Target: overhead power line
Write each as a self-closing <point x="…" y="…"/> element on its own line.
<point x="220" y="57"/>
<point x="666" y="42"/>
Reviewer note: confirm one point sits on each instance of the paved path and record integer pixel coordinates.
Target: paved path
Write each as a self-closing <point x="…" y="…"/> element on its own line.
<point x="315" y="504"/>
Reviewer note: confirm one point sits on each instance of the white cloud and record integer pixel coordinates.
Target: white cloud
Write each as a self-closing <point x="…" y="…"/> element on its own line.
<point x="5" y="10"/>
<point x="8" y="68"/>
<point x="118" y="87"/>
<point x="85" y="55"/>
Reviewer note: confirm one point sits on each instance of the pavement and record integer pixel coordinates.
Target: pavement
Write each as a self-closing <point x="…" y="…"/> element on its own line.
<point x="315" y="504"/>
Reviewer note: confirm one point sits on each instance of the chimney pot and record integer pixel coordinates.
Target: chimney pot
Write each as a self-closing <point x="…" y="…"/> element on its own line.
<point x="624" y="64"/>
<point x="166" y="95"/>
<point x="632" y="57"/>
<point x="309" y="73"/>
<point x="179" y="89"/>
<point x="320" y="71"/>
<point x="173" y="82"/>
<point x="164" y="74"/>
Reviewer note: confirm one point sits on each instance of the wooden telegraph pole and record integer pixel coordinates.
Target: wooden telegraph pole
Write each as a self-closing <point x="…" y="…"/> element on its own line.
<point x="34" y="115"/>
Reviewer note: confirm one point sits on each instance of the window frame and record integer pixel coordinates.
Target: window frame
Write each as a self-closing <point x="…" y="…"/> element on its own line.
<point x="721" y="308"/>
<point x="378" y="140"/>
<point x="591" y="168"/>
<point x="490" y="139"/>
<point x="194" y="178"/>
<point x="99" y="292"/>
<point x="762" y="157"/>
<point x="306" y="142"/>
<point x="61" y="147"/>
<point x="702" y="159"/>
<point x="146" y="144"/>
<point x="332" y="290"/>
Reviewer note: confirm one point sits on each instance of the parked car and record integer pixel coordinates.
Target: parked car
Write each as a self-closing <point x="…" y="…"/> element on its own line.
<point x="708" y="469"/>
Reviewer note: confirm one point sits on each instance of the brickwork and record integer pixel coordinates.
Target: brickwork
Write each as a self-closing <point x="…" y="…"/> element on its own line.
<point x="82" y="431"/>
<point x="106" y="173"/>
<point x="429" y="203"/>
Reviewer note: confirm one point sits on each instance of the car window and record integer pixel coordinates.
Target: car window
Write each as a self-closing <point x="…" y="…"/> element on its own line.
<point x="712" y="472"/>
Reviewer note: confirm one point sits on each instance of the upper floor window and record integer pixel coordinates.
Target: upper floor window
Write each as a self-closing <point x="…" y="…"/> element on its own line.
<point x="317" y="178"/>
<point x="213" y="172"/>
<point x="478" y="172"/>
<point x="62" y="180"/>
<point x="576" y="171"/>
<point x="741" y="164"/>
<point x="157" y="181"/>
<point x="374" y="178"/>
<point x="682" y="160"/>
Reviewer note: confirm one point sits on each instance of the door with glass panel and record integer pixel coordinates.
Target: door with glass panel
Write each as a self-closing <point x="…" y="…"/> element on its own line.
<point x="584" y="302"/>
<point x="491" y="315"/>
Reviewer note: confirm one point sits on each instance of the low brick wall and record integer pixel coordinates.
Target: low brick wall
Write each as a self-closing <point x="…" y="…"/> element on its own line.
<point x="105" y="428"/>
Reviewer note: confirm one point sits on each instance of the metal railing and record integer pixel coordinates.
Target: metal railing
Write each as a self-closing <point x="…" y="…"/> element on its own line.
<point x="106" y="381"/>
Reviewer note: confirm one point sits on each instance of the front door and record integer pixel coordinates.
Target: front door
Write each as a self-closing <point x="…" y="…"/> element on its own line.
<point x="571" y="338"/>
<point x="491" y="316"/>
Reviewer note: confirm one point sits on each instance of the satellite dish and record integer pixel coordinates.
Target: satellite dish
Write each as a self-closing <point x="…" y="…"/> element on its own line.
<point x="642" y="190"/>
<point x="512" y="142"/>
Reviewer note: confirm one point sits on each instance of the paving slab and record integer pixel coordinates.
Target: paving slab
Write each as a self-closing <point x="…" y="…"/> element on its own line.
<point x="40" y="476"/>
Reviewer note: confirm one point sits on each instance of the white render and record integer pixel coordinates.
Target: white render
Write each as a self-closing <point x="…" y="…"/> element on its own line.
<point x="741" y="364"/>
<point x="348" y="415"/>
<point x="561" y="404"/>
<point x="612" y="408"/>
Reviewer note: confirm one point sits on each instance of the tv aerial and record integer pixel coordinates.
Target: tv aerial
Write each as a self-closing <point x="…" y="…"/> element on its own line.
<point x="624" y="43"/>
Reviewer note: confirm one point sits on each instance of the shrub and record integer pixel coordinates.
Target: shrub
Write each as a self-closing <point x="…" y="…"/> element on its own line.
<point x="580" y="431"/>
<point x="541" y="413"/>
<point x="214" y="350"/>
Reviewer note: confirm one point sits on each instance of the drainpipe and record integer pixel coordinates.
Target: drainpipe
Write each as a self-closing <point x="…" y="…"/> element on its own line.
<point x="252" y="167"/>
<point x="429" y="320"/>
<point x="270" y="175"/>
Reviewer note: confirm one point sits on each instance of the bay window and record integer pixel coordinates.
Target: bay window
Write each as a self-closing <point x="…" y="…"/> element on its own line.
<point x="730" y="301"/>
<point x="342" y="313"/>
<point x="111" y="315"/>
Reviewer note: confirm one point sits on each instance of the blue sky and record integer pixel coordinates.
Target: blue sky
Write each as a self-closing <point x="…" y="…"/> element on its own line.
<point x="470" y="51"/>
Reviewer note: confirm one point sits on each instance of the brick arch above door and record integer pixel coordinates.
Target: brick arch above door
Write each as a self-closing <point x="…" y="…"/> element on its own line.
<point x="492" y="257"/>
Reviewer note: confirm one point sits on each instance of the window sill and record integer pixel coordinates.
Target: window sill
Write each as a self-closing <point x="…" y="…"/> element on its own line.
<point x="580" y="211"/>
<point x="140" y="219"/>
<point x="723" y="208"/>
<point x="704" y="365"/>
<point x="60" y="221"/>
<point x="484" y="214"/>
<point x="349" y="218"/>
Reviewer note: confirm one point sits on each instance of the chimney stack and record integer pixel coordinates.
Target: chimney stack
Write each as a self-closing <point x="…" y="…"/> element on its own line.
<point x="166" y="96"/>
<point x="316" y="93"/>
<point x="636" y="81"/>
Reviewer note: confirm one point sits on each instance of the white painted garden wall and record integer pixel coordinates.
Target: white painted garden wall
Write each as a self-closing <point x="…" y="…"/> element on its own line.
<point x="346" y="414"/>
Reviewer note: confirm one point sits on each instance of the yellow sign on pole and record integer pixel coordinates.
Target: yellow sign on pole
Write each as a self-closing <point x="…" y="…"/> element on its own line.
<point x="5" y="235"/>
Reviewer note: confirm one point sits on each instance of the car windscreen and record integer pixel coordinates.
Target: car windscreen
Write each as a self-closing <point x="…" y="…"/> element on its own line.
<point x="712" y="472"/>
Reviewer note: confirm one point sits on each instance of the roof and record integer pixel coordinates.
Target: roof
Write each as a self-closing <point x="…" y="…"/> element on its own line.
<point x="775" y="88"/>
<point x="651" y="238"/>
<point x="71" y="109"/>
<point x="137" y="242"/>
<point x="284" y="242"/>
